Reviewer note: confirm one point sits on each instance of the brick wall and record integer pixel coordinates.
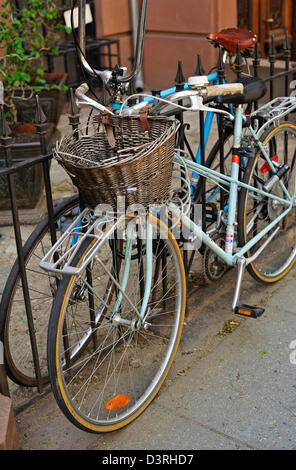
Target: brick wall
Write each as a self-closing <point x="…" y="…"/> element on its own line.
<point x="176" y="29"/>
<point x="113" y="21"/>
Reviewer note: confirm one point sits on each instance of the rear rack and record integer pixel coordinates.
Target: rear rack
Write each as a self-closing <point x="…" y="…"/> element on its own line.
<point x="59" y="258"/>
<point x="275" y="110"/>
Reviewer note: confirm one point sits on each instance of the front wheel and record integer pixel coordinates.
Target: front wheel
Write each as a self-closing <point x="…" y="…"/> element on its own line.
<point x="124" y="364"/>
<point x="255" y="211"/>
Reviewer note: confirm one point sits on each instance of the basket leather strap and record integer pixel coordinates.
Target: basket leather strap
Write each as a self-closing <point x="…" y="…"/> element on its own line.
<point x="144" y="120"/>
<point x="106" y="117"/>
<point x="108" y="129"/>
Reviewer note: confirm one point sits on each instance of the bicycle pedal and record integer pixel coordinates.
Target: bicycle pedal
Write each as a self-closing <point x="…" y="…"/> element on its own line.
<point x="249" y="311"/>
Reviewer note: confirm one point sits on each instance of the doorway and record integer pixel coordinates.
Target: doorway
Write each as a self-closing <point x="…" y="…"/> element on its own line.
<point x="267" y="18"/>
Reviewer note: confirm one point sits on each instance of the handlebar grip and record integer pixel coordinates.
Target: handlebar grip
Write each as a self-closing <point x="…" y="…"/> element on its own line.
<point x="227" y="89"/>
<point x="83" y="88"/>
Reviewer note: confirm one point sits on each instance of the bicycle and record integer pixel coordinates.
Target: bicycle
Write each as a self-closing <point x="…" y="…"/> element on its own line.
<point x="116" y="362"/>
<point x="12" y="318"/>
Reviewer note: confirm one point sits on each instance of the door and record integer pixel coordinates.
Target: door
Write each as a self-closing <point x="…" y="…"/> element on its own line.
<point x="267" y="18"/>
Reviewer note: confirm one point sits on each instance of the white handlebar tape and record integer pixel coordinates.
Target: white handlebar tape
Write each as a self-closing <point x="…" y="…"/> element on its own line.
<point x="227" y="89"/>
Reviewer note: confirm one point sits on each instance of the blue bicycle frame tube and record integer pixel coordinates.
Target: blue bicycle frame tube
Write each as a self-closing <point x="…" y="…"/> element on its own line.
<point x="207" y="131"/>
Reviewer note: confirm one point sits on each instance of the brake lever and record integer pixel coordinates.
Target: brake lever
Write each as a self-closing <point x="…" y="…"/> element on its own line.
<point x="198" y="105"/>
<point x="80" y="94"/>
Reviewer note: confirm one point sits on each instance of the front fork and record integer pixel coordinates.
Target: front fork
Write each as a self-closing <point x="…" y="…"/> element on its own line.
<point x="140" y="316"/>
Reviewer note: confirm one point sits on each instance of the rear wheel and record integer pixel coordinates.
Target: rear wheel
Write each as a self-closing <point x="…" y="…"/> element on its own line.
<point x="256" y="212"/>
<point x="13" y="321"/>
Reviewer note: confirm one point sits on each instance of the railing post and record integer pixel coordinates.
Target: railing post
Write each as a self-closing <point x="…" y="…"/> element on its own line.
<point x="199" y="67"/>
<point x="238" y="62"/>
<point x="6" y="142"/>
<point x="256" y="65"/>
<point x="271" y="58"/>
<point x="179" y="82"/>
<point x="41" y="129"/>
<point x="287" y="55"/>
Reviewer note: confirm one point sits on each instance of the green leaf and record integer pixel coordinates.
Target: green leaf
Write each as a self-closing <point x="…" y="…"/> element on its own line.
<point x="40" y="71"/>
<point x="9" y="116"/>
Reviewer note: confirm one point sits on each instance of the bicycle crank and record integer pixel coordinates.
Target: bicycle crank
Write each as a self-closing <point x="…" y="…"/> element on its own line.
<point x="214" y="268"/>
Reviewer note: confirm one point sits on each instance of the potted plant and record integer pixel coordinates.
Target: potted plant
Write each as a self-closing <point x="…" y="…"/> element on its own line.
<point x="26" y="36"/>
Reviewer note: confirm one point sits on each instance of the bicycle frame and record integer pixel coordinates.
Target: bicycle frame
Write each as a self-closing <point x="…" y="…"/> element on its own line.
<point x="229" y="256"/>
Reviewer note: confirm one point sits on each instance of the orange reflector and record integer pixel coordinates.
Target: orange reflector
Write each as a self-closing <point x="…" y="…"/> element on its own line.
<point x="244" y="312"/>
<point x="120" y="401"/>
<point x="266" y="167"/>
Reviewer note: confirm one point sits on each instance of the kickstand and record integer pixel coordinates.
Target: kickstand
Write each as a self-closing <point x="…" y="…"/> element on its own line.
<point x="241" y="264"/>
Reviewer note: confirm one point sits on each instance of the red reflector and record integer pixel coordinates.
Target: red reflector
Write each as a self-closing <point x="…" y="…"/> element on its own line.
<point x="265" y="167"/>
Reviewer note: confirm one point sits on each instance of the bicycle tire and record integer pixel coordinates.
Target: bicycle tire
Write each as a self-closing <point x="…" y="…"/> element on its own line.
<point x="13" y="326"/>
<point x="279" y="257"/>
<point x="142" y="348"/>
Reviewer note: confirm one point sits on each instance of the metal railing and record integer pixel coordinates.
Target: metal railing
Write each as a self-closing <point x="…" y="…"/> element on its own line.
<point x="6" y="142"/>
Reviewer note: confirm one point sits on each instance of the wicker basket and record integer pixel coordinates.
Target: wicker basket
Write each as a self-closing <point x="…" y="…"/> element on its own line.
<point x="120" y="156"/>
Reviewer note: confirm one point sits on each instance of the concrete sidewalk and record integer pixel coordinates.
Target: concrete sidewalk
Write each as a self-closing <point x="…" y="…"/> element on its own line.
<point x="226" y="390"/>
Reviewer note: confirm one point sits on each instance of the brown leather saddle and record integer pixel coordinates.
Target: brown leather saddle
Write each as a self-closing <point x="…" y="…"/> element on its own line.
<point x="231" y="37"/>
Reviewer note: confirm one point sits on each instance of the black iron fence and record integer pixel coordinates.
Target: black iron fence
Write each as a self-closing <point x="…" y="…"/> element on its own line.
<point x="44" y="158"/>
<point x="6" y="142"/>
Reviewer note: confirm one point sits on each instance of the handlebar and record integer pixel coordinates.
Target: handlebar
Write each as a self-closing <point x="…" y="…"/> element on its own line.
<point x="225" y="89"/>
<point x="196" y="92"/>
<point x="80" y="94"/>
<point x="107" y="74"/>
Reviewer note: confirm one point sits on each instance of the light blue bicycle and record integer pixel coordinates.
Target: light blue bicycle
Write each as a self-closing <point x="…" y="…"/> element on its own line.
<point x="117" y="316"/>
<point x="12" y="323"/>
